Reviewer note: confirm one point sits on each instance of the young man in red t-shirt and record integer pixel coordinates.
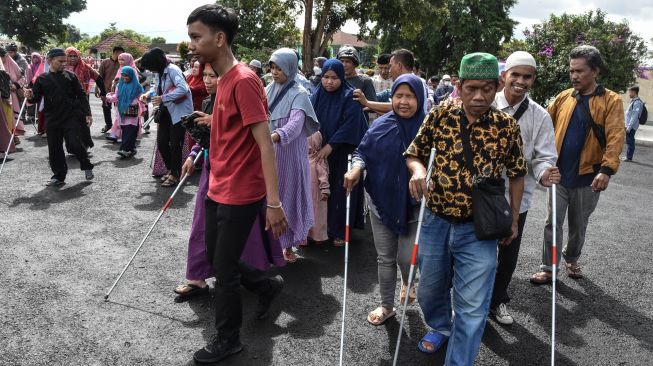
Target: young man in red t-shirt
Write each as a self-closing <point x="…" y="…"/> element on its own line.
<point x="243" y="175"/>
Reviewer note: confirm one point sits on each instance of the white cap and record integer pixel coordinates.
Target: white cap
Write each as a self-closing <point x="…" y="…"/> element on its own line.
<point x="256" y="63"/>
<point x="317" y="70"/>
<point x="520" y="58"/>
<point x="446" y="77"/>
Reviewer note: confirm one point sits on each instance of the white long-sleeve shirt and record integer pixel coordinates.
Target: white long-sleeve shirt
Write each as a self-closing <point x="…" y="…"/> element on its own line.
<point x="536" y="129"/>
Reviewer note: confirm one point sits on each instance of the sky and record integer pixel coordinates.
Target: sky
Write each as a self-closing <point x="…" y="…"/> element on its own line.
<point x="169" y="21"/>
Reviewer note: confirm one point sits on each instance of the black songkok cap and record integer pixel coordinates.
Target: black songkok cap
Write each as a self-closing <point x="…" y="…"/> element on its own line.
<point x="56" y="52"/>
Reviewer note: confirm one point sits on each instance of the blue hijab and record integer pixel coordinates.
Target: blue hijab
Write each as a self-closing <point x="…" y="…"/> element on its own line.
<point x="382" y="150"/>
<point x="128" y="91"/>
<point x="341" y="117"/>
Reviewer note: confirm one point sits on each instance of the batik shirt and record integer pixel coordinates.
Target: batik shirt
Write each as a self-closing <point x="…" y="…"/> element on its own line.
<point x="496" y="146"/>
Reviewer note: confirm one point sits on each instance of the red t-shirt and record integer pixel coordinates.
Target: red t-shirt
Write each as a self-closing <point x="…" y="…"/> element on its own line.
<point x="236" y="171"/>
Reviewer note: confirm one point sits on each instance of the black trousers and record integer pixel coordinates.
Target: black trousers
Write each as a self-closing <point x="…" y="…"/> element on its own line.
<point x="106" y="110"/>
<point x="169" y="141"/>
<point x="227" y="230"/>
<point x="70" y="132"/>
<point x="507" y="262"/>
<point x="129" y="134"/>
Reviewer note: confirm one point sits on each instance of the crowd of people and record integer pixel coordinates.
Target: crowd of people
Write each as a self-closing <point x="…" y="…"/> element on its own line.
<point x="273" y="150"/>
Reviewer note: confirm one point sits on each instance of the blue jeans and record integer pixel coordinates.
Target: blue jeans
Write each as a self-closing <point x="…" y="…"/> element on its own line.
<point x="630" y="141"/>
<point x="450" y="255"/>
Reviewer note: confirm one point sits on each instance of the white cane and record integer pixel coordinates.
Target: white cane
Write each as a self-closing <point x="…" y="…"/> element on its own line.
<point x="413" y="260"/>
<point x="13" y="133"/>
<point x="344" y="291"/>
<point x="554" y="262"/>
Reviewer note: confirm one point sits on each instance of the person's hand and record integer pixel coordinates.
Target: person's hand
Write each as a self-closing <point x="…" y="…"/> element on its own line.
<point x="359" y="96"/>
<point x="513" y="236"/>
<point x="28" y="93"/>
<point x="203" y="118"/>
<point x="275" y="137"/>
<point x="628" y="130"/>
<point x="324" y="152"/>
<point x="352" y="178"/>
<point x="189" y="166"/>
<point x="275" y="218"/>
<point x="156" y="101"/>
<point x="600" y="182"/>
<point x="97" y="92"/>
<point x="12" y="87"/>
<point x="143" y="97"/>
<point x="324" y="197"/>
<point x="89" y="120"/>
<point x="550" y="177"/>
<point x="417" y="183"/>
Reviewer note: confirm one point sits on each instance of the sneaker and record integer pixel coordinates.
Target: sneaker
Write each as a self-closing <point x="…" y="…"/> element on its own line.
<point x="623" y="158"/>
<point x="123" y="154"/>
<point x="501" y="314"/>
<point x="89" y="174"/>
<point x="265" y="300"/>
<point x="54" y="182"/>
<point x="218" y="349"/>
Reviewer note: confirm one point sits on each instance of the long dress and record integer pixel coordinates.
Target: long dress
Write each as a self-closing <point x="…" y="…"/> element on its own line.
<point x="294" y="178"/>
<point x="11" y="67"/>
<point x="6" y="118"/>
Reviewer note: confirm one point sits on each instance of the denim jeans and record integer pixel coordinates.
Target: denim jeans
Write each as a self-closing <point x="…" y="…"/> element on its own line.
<point x="451" y="256"/>
<point x="630" y="142"/>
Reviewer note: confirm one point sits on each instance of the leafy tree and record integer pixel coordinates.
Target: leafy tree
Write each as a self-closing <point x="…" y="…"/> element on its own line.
<point x="158" y="40"/>
<point x="264" y="28"/>
<point x="440" y="32"/>
<point x="31" y="22"/>
<point x="551" y="41"/>
<point x="183" y="50"/>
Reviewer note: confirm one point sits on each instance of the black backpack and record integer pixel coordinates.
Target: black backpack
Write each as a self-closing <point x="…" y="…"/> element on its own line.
<point x="643" y="116"/>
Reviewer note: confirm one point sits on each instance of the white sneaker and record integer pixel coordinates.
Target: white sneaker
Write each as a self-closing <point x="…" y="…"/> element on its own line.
<point x="501" y="314"/>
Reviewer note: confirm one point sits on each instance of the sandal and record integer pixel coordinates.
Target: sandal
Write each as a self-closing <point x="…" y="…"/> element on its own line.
<point x="170" y="182"/>
<point x="573" y="270"/>
<point x="378" y="316"/>
<point x="289" y="256"/>
<point x="436" y="339"/>
<point x="338" y="242"/>
<point x="189" y="290"/>
<point x="411" y="295"/>
<point x="541" y="278"/>
<point x="165" y="177"/>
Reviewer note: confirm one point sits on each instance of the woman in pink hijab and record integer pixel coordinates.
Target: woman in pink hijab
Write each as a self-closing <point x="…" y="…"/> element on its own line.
<point x="6" y="118"/>
<point x="17" y="79"/>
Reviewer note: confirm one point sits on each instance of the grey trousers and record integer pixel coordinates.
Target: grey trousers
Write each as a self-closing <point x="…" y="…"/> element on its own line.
<point x="578" y="204"/>
<point x="392" y="249"/>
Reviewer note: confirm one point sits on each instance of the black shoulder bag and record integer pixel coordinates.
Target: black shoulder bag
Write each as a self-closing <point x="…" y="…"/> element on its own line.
<point x="491" y="211"/>
<point x="599" y="131"/>
<point x="161" y="114"/>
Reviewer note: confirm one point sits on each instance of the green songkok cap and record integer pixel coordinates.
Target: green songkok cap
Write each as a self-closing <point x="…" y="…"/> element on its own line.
<point x="479" y="66"/>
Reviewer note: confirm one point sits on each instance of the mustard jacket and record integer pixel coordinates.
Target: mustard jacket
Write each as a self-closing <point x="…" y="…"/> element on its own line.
<point x="607" y="110"/>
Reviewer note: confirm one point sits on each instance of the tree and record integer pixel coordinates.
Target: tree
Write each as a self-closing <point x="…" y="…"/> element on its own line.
<point x="31" y="22"/>
<point x="158" y="40"/>
<point x="183" y="50"/>
<point x="551" y="41"/>
<point x="263" y="29"/>
<point x="440" y="32"/>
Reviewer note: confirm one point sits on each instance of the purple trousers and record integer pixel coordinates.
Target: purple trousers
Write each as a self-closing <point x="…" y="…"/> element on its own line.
<point x="261" y="250"/>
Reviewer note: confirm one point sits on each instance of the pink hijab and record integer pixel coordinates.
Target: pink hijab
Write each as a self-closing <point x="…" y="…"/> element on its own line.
<point x="12" y="68"/>
<point x="129" y="61"/>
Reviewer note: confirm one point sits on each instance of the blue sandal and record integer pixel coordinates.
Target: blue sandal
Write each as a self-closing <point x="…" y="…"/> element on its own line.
<point x="437" y="339"/>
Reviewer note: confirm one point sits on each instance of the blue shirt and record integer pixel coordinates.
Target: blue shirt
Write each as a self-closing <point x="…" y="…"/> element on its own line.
<point x="572" y="146"/>
<point x="632" y="114"/>
<point x="175" y="89"/>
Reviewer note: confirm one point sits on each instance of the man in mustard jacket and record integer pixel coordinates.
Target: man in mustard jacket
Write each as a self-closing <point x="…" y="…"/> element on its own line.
<point x="588" y="122"/>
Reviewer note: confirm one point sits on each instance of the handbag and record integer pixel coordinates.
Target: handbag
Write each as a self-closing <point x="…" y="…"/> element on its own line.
<point x="132" y="111"/>
<point x="162" y="115"/>
<point x="490" y="209"/>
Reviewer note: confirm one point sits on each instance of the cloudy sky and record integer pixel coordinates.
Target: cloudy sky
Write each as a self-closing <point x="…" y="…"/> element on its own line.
<point x="154" y="19"/>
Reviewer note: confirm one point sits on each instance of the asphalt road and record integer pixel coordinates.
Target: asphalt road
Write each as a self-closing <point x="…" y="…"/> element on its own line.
<point x="60" y="250"/>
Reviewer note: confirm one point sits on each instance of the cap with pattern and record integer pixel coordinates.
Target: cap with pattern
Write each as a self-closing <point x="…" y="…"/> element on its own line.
<point x="479" y="66"/>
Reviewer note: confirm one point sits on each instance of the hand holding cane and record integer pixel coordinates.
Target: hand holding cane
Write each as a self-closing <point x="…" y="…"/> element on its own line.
<point x="13" y="133"/>
<point x="344" y="291"/>
<point x="163" y="210"/>
<point x="554" y="261"/>
<point x="413" y="260"/>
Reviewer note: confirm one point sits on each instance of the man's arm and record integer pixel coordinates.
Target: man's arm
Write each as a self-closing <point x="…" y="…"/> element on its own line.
<point x="275" y="217"/>
<point x="378" y="107"/>
<point x="515" y="192"/>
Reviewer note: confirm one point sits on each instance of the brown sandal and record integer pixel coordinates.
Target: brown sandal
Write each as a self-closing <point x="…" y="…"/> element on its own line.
<point x="541" y="278"/>
<point x="338" y="242"/>
<point x="170" y="182"/>
<point x="378" y="316"/>
<point x="289" y="256"/>
<point x="573" y="270"/>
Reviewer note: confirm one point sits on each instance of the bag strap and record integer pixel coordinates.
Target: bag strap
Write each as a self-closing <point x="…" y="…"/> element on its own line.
<point x="467" y="146"/>
<point x="600" y="135"/>
<point x="521" y="110"/>
<point x="282" y="94"/>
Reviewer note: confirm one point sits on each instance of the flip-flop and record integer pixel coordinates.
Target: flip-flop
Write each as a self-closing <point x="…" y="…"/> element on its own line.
<point x="380" y="315"/>
<point x="194" y="291"/>
<point x="437" y="339"/>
